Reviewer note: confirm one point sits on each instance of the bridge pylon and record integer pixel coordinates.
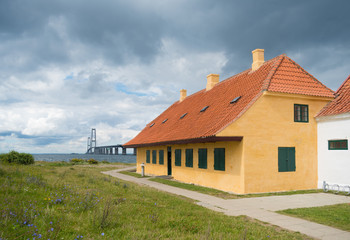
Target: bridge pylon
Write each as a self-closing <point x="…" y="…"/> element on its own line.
<point x="93" y="140"/>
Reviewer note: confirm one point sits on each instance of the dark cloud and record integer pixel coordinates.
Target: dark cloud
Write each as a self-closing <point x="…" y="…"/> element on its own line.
<point x="66" y="66"/>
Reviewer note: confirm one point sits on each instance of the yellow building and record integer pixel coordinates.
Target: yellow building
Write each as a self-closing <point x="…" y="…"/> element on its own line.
<point x="253" y="132"/>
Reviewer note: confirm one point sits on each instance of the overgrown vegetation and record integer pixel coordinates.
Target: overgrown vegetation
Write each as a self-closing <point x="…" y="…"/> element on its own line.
<point x="337" y="216"/>
<point x="14" y="157"/>
<point x="84" y="161"/>
<point x="49" y="201"/>
<point x="226" y="195"/>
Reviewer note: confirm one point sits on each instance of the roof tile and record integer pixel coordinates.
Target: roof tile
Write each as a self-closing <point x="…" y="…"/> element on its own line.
<point x="341" y="103"/>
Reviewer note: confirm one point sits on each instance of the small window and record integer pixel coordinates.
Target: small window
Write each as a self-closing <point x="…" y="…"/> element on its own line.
<point x="154" y="156"/>
<point x="152" y="125"/>
<point x="338" y="144"/>
<point x="183" y="115"/>
<point x="202" y="158"/>
<point x="219" y="159"/>
<point x="165" y="120"/>
<point x="148" y="157"/>
<point x="161" y="157"/>
<point x="205" y="108"/>
<point x="189" y="157"/>
<point x="301" y="113"/>
<point x="235" y="99"/>
<point x="286" y="159"/>
<point x="177" y="157"/>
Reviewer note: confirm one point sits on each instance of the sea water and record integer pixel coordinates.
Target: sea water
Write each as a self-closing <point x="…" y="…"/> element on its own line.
<point x="129" y="158"/>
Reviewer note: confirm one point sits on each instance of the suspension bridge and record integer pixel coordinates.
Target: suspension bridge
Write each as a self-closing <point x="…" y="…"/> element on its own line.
<point x="117" y="149"/>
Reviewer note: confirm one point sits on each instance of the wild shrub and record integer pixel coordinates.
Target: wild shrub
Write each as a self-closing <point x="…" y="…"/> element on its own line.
<point x="92" y="161"/>
<point x="13" y="157"/>
<point x="26" y="159"/>
<point x="17" y="158"/>
<point x="77" y="160"/>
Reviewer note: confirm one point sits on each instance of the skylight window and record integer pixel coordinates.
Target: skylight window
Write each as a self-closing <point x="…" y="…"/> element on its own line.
<point x="183" y="115"/>
<point x="235" y="99"/>
<point x="205" y="108"/>
<point x="152" y="125"/>
<point x="165" y="120"/>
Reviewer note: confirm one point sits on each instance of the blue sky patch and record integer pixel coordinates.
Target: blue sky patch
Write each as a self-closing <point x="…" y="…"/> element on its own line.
<point x="122" y="88"/>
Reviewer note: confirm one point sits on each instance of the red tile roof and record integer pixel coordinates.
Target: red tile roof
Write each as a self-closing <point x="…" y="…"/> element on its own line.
<point x="341" y="103"/>
<point x="280" y="74"/>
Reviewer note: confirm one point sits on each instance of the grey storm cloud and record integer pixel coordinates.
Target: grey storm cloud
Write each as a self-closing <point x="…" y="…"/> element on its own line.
<point x="68" y="66"/>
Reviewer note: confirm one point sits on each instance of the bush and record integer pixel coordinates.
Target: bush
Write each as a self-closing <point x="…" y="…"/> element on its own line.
<point x="13" y="157"/>
<point x="3" y="158"/>
<point x="77" y="160"/>
<point x="17" y="158"/>
<point x="26" y="158"/>
<point x="92" y="161"/>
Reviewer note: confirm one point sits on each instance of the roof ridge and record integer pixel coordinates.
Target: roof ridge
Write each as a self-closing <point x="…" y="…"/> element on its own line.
<point x="341" y="86"/>
<point x="220" y="82"/>
<point x="277" y="63"/>
<point x="302" y="69"/>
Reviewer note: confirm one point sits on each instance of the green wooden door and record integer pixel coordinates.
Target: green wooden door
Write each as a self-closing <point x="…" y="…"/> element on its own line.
<point x="286" y="159"/>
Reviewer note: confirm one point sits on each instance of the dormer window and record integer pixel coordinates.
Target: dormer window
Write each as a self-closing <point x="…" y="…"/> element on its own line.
<point x="151" y="125"/>
<point x="205" y="108"/>
<point x="165" y="120"/>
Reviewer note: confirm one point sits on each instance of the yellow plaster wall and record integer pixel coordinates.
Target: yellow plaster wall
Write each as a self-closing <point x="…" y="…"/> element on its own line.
<point x="229" y="180"/>
<point x="269" y="124"/>
<point x="151" y="168"/>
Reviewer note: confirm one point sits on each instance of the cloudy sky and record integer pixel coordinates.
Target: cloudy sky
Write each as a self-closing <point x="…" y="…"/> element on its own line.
<point x="69" y="66"/>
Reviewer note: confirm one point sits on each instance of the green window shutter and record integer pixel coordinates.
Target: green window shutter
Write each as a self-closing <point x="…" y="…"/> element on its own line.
<point x="219" y="159"/>
<point x="154" y="156"/>
<point x="189" y="157"/>
<point x="202" y="158"/>
<point x="291" y="159"/>
<point x="148" y="157"/>
<point x="161" y="157"/>
<point x="177" y="157"/>
<point x="286" y="159"/>
<point x="282" y="159"/>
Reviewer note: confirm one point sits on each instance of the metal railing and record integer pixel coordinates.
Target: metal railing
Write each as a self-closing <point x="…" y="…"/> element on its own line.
<point x="336" y="188"/>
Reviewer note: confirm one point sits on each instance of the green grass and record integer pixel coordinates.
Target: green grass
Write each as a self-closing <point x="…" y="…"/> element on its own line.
<point x="205" y="190"/>
<point x="225" y="195"/>
<point x="133" y="174"/>
<point x="65" y="201"/>
<point x="337" y="216"/>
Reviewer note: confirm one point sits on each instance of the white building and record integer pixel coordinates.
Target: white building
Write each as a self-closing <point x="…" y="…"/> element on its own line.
<point x="333" y="139"/>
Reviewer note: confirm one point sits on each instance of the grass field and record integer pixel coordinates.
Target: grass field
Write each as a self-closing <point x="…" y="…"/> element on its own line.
<point x="65" y="201"/>
<point x="337" y="216"/>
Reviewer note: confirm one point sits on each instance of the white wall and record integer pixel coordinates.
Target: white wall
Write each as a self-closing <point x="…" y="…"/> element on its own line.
<point x="333" y="165"/>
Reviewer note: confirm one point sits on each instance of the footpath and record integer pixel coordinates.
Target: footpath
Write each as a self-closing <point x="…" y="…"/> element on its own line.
<point x="260" y="208"/>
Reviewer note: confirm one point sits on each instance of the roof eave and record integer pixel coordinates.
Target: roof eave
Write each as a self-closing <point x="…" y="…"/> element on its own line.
<point x="187" y="141"/>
